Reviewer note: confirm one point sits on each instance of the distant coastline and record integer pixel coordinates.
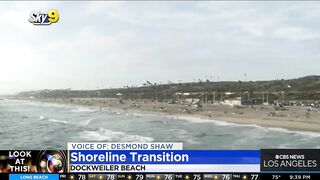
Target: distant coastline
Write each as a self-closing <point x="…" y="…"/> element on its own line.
<point x="294" y="118"/>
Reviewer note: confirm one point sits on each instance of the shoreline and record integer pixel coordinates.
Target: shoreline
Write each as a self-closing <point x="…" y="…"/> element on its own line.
<point x="296" y="119"/>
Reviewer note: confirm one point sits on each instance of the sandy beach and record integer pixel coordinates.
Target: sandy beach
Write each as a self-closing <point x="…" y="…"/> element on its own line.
<point x="295" y="118"/>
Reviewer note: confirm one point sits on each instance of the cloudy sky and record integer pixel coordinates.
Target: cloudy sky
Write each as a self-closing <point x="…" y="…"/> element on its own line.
<point x="103" y="44"/>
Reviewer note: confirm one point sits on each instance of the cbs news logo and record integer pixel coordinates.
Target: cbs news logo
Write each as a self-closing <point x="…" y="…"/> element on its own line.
<point x="38" y="18"/>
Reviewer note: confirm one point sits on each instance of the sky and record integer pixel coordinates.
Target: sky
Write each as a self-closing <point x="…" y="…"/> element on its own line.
<point x="111" y="44"/>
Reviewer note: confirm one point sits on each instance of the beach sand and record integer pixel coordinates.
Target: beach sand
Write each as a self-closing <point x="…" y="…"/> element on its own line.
<point x="290" y="117"/>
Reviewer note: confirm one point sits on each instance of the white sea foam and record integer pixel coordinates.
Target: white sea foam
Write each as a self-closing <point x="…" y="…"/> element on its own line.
<point x="109" y="135"/>
<point x="224" y="123"/>
<point x="81" y="109"/>
<point x="86" y="122"/>
<point x="145" y="114"/>
<point x="82" y="123"/>
<point x="58" y="121"/>
<point x="184" y="135"/>
<point x="217" y="122"/>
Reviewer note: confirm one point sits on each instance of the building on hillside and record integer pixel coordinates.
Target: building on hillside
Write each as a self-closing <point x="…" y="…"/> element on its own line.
<point x="232" y="101"/>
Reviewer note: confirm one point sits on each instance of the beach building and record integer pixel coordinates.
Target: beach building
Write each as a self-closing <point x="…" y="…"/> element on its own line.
<point x="192" y="100"/>
<point x="232" y="101"/>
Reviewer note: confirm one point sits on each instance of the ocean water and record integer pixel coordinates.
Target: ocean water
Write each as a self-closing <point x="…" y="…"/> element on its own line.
<point x="36" y="125"/>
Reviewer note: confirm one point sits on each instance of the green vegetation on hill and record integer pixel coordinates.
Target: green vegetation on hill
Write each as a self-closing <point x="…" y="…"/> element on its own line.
<point x="305" y="88"/>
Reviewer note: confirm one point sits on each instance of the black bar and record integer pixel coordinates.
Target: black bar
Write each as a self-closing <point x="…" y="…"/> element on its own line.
<point x="183" y="176"/>
<point x="289" y="176"/>
<point x="290" y="160"/>
<point x="4" y="176"/>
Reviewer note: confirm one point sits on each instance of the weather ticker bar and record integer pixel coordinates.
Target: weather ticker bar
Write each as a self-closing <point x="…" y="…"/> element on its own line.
<point x="164" y="176"/>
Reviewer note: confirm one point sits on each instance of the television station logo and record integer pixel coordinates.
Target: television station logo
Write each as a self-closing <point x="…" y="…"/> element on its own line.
<point x="40" y="18"/>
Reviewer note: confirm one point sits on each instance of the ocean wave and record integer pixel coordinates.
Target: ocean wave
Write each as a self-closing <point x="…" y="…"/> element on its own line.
<point x="301" y="133"/>
<point x="114" y="112"/>
<point x="83" y="110"/>
<point x="192" y="141"/>
<point x="58" y="121"/>
<point x="184" y="135"/>
<point x="86" y="122"/>
<point x="145" y="114"/>
<point x="224" y="123"/>
<point x="217" y="122"/>
<point x="109" y="135"/>
<point x="81" y="123"/>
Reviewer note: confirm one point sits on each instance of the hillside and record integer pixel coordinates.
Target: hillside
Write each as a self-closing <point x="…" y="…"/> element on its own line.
<point x="304" y="88"/>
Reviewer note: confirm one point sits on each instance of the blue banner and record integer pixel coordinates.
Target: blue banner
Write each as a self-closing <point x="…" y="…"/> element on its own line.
<point x="165" y="157"/>
<point x="34" y="176"/>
